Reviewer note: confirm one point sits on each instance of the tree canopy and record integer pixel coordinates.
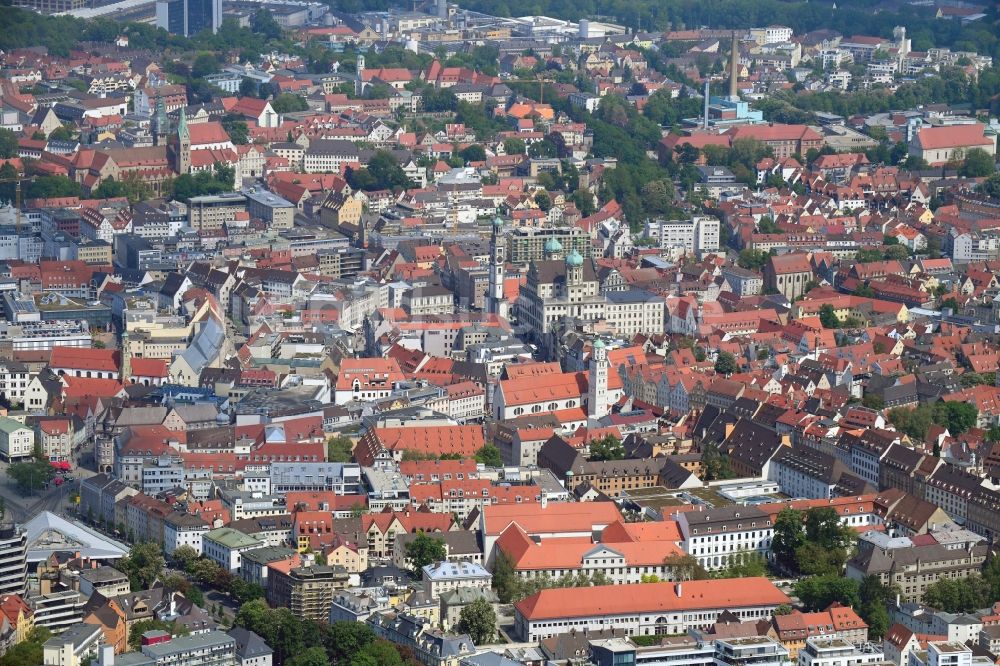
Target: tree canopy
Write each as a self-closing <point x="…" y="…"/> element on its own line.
<point x="607" y="447"/>
<point x="423" y="550"/>
<point x="143" y="564"/>
<point x="479" y="620"/>
<point x="812" y="543"/>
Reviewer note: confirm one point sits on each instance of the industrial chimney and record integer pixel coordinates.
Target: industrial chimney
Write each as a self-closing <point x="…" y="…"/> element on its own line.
<point x="707" y="96"/>
<point x="734" y="69"/>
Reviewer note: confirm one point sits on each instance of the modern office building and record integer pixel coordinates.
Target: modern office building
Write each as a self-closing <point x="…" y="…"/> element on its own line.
<point x="13" y="560"/>
<point x="836" y="651"/>
<point x="188" y="17"/>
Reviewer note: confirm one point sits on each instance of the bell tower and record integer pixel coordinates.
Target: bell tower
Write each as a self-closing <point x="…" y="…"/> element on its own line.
<point x="597" y="389"/>
<point x="182" y="146"/>
<point x="495" y="298"/>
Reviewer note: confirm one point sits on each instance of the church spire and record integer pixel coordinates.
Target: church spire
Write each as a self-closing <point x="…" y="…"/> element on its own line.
<point x="182" y="127"/>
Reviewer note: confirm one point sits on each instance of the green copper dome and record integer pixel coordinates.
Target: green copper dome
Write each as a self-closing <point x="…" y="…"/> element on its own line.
<point x="574" y="259"/>
<point x="552" y="245"/>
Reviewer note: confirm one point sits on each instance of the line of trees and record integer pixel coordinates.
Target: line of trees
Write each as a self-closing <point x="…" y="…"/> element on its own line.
<point x="302" y="642"/>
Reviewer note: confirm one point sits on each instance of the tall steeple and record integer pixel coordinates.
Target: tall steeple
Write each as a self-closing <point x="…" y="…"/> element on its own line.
<point x="734" y="70"/>
<point x="495" y="298"/>
<point x="126" y="372"/>
<point x="182" y="154"/>
<point x="597" y="389"/>
<point x="161" y="122"/>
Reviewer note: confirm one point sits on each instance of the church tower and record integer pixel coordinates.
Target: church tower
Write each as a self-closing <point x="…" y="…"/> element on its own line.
<point x="495" y="299"/>
<point x="182" y="146"/>
<point x="359" y="85"/>
<point x="597" y="390"/>
<point x="552" y="249"/>
<point x="574" y="268"/>
<point x="161" y="125"/>
<point x="126" y="372"/>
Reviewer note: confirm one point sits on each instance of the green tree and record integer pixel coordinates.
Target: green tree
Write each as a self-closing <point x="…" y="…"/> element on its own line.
<point x="47" y="187"/>
<point x="827" y="543"/>
<point x="874" y="598"/>
<point x="715" y="465"/>
<point x="685" y="567"/>
<point x="108" y="189"/>
<point x="978" y="164"/>
<point x="343" y="640"/>
<point x="8" y="143"/>
<point x="658" y="196"/>
<point x="314" y="656"/>
<point x="725" y="363"/>
<point x="203" y="65"/>
<point x="828" y="316"/>
<point x="746" y="564"/>
<point x="424" y="550"/>
<point x="263" y="23"/>
<point x="339" y="448"/>
<point x="991" y="187"/>
<point x="957" y="416"/>
<point x="864" y="291"/>
<point x="868" y="255"/>
<point x="288" y="103"/>
<point x="195" y="595"/>
<point x="543" y="201"/>
<point x="607" y="447"/>
<point x="912" y="421"/>
<point x="789" y="536"/>
<point x="767" y="225"/>
<point x="489" y="455"/>
<point x="473" y="153"/>
<point x="873" y="402"/>
<point x="584" y="202"/>
<point x="206" y="571"/>
<point x="479" y="620"/>
<point x="136" y="631"/>
<point x="818" y="592"/>
<point x="248" y="87"/>
<point x="243" y="591"/>
<point x="957" y="596"/>
<point x="184" y="556"/>
<point x="753" y="260"/>
<point x="505" y="580"/>
<point x="31" y="476"/>
<point x="379" y="652"/>
<point x="143" y="564"/>
<point x="62" y="133"/>
<point x="513" y="146"/>
<point x="238" y="131"/>
<point x="897" y="252"/>
<point x="29" y="651"/>
<point x="385" y="172"/>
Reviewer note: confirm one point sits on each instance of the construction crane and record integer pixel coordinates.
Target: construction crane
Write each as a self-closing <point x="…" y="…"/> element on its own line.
<point x="17" y="197"/>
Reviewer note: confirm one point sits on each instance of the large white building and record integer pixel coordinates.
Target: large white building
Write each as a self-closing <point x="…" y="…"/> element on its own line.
<point x="181" y="529"/>
<point x="715" y="535"/>
<point x="644" y="609"/>
<point x="225" y="545"/>
<point x="447" y="576"/>
<point x="836" y="651"/>
<point x="697" y="236"/>
<point x="16" y="439"/>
